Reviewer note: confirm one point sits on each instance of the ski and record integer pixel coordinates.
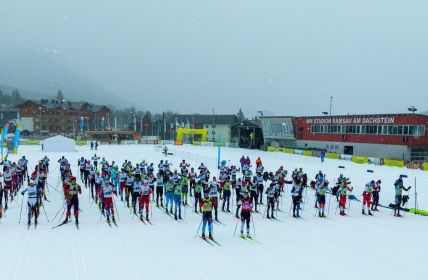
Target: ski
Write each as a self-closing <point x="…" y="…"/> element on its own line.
<point x="150" y="222"/>
<point x="61" y="224"/>
<point x="253" y="240"/>
<point x="215" y="242"/>
<point x="114" y="223"/>
<point x="219" y="223"/>
<point x="206" y="241"/>
<point x="142" y="220"/>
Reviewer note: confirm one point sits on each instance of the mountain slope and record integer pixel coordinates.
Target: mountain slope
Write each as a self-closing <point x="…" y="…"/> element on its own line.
<point x="39" y="75"/>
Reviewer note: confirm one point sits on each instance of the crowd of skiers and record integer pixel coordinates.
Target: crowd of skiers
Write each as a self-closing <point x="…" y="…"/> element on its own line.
<point x="140" y="185"/>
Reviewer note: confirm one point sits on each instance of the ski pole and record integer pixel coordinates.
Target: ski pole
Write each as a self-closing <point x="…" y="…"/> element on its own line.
<point x="62" y="215"/>
<point x="57" y="213"/>
<point x="264" y="213"/>
<point x="236" y="227"/>
<point x="44" y="210"/>
<point x="151" y="210"/>
<point x="289" y="211"/>
<point x="328" y="209"/>
<point x="349" y="205"/>
<point x="117" y="212"/>
<point x="200" y="224"/>
<point x="20" y="213"/>
<point x="254" y="228"/>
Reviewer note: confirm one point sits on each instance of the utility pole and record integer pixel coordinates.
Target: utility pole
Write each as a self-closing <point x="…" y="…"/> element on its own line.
<point x="331" y="104"/>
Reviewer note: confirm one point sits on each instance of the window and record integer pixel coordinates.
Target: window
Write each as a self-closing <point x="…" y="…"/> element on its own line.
<point x="405" y="130"/>
<point x="400" y="130"/>
<point x="395" y="130"/>
<point x="421" y="130"/>
<point x="385" y="130"/>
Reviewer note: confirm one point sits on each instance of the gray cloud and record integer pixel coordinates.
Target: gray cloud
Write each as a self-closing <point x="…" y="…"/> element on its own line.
<point x="286" y="57"/>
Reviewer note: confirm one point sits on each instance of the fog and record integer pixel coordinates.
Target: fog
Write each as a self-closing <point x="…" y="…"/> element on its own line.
<point x="279" y="56"/>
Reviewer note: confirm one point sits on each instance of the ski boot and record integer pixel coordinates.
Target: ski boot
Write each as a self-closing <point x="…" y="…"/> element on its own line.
<point x="175" y="217"/>
<point x="179" y="216"/>
<point x="147" y="216"/>
<point x="113" y="219"/>
<point x="203" y="236"/>
<point x="77" y="220"/>
<point x="248" y="235"/>
<point x="364" y="212"/>
<point x="210" y="236"/>
<point x="272" y="217"/>
<point x="242" y="234"/>
<point x="108" y="219"/>
<point x="370" y="213"/>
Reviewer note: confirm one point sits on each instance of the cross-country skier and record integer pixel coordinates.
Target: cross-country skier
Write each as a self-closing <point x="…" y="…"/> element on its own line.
<point x="226" y="195"/>
<point x="198" y="195"/>
<point x="399" y="187"/>
<point x="184" y="189"/>
<point x="254" y="193"/>
<point x="145" y="200"/>
<point x="319" y="181"/>
<point x="321" y="199"/>
<point x="159" y="190"/>
<point x="177" y="199"/>
<point x="247" y="206"/>
<point x="376" y="191"/>
<point x="7" y="189"/>
<point x="192" y="178"/>
<point x="107" y="191"/>
<point x="296" y="193"/>
<point x="213" y="193"/>
<point x="71" y="194"/>
<point x="169" y="194"/>
<point x="95" y="160"/>
<point x="367" y="197"/>
<point x="135" y="192"/>
<point x="33" y="206"/>
<point x="343" y="195"/>
<point x="207" y="216"/>
<point x="270" y="193"/>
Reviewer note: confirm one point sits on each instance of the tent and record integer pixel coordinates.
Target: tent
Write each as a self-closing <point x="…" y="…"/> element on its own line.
<point x="59" y="144"/>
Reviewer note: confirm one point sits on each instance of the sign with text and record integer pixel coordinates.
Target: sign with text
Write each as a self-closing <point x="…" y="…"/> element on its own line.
<point x="351" y="120"/>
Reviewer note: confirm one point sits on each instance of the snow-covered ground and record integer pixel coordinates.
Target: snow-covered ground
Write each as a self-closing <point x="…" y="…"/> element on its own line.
<point x="352" y="247"/>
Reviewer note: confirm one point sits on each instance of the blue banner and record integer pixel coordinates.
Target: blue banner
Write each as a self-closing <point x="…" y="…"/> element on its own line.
<point x="16" y="138"/>
<point x="82" y="120"/>
<point x="4" y="136"/>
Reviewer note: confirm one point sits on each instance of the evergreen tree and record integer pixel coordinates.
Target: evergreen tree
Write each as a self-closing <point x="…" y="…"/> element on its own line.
<point x="240" y="115"/>
<point x="59" y="96"/>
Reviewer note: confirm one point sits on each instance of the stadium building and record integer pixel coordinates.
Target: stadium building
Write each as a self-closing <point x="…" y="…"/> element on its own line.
<point x="395" y="136"/>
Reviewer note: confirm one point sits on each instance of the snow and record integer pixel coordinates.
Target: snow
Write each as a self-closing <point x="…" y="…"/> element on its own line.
<point x="354" y="247"/>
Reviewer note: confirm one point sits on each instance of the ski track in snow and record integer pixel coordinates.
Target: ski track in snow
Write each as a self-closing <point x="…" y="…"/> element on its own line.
<point x="309" y="248"/>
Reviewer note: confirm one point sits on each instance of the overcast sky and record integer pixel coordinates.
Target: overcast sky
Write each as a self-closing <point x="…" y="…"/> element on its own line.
<point x="285" y="57"/>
